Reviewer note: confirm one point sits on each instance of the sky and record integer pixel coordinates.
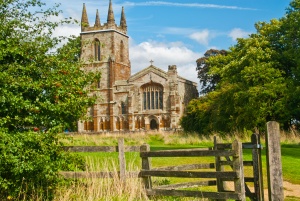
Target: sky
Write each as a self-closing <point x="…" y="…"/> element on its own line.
<point x="177" y="32"/>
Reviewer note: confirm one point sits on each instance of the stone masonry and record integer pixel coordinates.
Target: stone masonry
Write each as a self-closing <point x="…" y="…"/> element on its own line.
<point x="151" y="99"/>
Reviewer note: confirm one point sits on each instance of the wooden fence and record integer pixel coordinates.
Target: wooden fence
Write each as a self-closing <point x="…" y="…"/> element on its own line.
<point x="225" y="156"/>
<point x="189" y="171"/>
<point x="121" y="149"/>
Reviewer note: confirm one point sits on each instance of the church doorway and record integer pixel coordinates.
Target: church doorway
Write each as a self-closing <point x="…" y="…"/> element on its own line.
<point x="153" y="124"/>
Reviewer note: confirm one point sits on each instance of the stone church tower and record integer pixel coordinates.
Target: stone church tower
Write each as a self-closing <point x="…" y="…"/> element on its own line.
<point x="149" y="99"/>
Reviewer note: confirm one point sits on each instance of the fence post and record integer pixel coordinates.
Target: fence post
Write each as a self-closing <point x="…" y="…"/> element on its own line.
<point x="239" y="182"/>
<point x="122" y="161"/>
<point x="146" y="166"/>
<point x="257" y="167"/>
<point x="274" y="166"/>
<point x="219" y="167"/>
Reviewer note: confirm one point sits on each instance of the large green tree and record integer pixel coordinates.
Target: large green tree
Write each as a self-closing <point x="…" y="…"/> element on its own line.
<point x="42" y="85"/>
<point x="208" y="82"/>
<point x="259" y="80"/>
<point x="39" y="86"/>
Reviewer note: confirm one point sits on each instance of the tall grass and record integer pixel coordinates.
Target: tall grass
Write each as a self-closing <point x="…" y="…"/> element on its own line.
<point x="103" y="189"/>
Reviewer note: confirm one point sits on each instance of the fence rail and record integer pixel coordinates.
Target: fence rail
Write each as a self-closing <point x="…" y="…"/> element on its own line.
<point x="100" y="148"/>
<point x="121" y="149"/>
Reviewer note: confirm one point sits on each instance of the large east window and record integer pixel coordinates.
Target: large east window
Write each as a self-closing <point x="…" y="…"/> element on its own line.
<point x="152" y="97"/>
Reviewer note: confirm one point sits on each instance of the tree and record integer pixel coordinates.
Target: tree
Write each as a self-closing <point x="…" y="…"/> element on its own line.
<point x="42" y="85"/>
<point x="290" y="44"/>
<point x="258" y="80"/>
<point x="39" y="87"/>
<point x="29" y="165"/>
<point x="208" y="82"/>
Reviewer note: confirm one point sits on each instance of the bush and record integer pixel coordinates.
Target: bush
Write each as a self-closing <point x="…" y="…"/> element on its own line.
<point x="29" y="165"/>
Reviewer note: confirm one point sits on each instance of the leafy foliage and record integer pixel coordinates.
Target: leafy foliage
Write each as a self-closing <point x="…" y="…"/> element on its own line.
<point x="258" y="81"/>
<point x="40" y="87"/>
<point x="29" y="165"/>
<point x="208" y="81"/>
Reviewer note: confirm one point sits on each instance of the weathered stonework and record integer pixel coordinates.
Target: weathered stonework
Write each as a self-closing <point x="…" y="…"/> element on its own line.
<point x="149" y="99"/>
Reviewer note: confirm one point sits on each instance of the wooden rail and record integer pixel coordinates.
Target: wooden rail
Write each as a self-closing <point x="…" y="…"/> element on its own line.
<point x="189" y="171"/>
<point x="121" y="149"/>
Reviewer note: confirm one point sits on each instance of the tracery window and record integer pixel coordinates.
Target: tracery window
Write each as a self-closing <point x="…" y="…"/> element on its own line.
<point x="152" y="97"/>
<point x="97" y="50"/>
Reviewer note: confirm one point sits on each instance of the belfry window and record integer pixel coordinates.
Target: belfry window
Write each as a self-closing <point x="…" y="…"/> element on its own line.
<point x="152" y="97"/>
<point x="97" y="50"/>
<point x="122" y="51"/>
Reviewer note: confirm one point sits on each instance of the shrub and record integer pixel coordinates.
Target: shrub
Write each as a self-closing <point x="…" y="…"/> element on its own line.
<point x="29" y="165"/>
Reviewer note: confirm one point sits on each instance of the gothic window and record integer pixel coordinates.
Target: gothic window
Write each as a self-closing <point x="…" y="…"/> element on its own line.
<point x="148" y="100"/>
<point x="97" y="50"/>
<point x="122" y="51"/>
<point x="156" y="101"/>
<point x="152" y="100"/>
<point x="145" y="100"/>
<point x="152" y="97"/>
<point x="160" y="99"/>
<point x="123" y="107"/>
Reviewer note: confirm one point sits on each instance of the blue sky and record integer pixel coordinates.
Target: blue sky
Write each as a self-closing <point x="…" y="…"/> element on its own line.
<point x="177" y="32"/>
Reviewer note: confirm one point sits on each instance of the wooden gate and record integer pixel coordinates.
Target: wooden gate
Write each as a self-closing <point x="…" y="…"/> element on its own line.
<point x="257" y="193"/>
<point x="226" y="156"/>
<point x="191" y="171"/>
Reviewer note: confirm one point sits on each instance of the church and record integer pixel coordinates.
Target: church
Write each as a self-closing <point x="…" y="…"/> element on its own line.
<point x="151" y="99"/>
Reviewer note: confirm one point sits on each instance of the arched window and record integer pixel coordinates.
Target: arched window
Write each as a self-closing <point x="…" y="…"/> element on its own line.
<point x="97" y="50"/>
<point x="122" y="51"/>
<point x="123" y="107"/>
<point x="152" y="97"/>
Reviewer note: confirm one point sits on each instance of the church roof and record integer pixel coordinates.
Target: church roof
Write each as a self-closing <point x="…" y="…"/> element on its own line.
<point x="147" y="70"/>
<point x="157" y="71"/>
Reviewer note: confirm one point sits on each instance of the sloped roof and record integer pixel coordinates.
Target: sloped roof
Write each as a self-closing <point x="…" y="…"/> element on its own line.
<point x="146" y="71"/>
<point x="157" y="71"/>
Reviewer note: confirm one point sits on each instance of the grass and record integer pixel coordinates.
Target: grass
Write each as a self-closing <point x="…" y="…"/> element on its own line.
<point x="290" y="162"/>
<point x="104" y="189"/>
<point x="290" y="150"/>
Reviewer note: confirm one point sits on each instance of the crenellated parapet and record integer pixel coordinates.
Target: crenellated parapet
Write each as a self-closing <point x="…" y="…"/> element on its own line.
<point x="109" y="25"/>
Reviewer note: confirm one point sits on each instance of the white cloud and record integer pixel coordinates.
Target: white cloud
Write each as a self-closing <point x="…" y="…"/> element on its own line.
<point x="238" y="33"/>
<point x="67" y="30"/>
<point x="178" y="30"/>
<point x="163" y="55"/>
<point x="201" y="37"/>
<point x="193" y="5"/>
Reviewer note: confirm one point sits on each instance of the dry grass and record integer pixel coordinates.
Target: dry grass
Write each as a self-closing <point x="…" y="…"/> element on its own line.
<point x="102" y="189"/>
<point x="290" y="137"/>
<point x="168" y="138"/>
<point x="95" y="189"/>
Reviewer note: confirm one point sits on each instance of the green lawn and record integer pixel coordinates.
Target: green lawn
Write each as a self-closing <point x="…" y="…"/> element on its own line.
<point x="290" y="153"/>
